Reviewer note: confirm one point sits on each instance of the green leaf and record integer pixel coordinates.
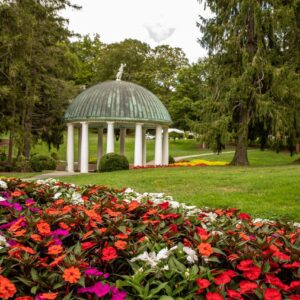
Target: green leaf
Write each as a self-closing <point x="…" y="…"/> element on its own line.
<point x="156" y="290"/>
<point x="166" y="298"/>
<point x="68" y="297"/>
<point x="25" y="281"/>
<point x="33" y="289"/>
<point x="34" y="274"/>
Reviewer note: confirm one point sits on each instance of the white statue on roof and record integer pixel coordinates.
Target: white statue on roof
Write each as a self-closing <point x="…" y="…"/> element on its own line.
<point x="120" y="72"/>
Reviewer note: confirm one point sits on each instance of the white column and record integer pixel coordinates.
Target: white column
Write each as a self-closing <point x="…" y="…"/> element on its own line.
<point x="158" y="146"/>
<point x="165" y="147"/>
<point x="122" y="140"/>
<point x="79" y="146"/>
<point x="84" y="159"/>
<point x="138" y="145"/>
<point x="70" y="148"/>
<point x="110" y="146"/>
<point x="100" y="146"/>
<point x="144" y="147"/>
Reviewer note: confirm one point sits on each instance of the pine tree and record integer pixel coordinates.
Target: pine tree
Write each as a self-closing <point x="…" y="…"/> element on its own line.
<point x="254" y="69"/>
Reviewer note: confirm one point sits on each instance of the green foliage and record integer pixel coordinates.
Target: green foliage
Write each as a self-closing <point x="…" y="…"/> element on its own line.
<point x="42" y="162"/>
<point x="113" y="162"/>
<point x="35" y="71"/>
<point x="252" y="72"/>
<point x="171" y="160"/>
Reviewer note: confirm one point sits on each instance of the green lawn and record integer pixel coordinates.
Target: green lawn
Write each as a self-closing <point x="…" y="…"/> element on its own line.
<point x="268" y="189"/>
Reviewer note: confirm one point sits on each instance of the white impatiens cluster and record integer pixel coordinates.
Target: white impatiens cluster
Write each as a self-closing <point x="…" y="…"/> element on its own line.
<point x="192" y="256"/>
<point x="152" y="258"/>
<point x="3" y="242"/>
<point x="158" y="198"/>
<point x="3" y="184"/>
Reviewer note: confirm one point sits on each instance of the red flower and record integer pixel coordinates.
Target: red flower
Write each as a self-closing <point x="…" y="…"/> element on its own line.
<point x="247" y="287"/>
<point x="24" y="298"/>
<point x="71" y="275"/>
<point x="121" y="245"/>
<point x="109" y="253"/>
<point x="244" y="265"/>
<point x="295" y="284"/>
<point x="222" y="279"/>
<point x="203" y="284"/>
<point x="164" y="205"/>
<point x="252" y="273"/>
<point x="7" y="288"/>
<point x="202" y="233"/>
<point x="205" y="249"/>
<point x="213" y="296"/>
<point x="294" y="297"/>
<point x="43" y="227"/>
<point x="87" y="245"/>
<point x="272" y="279"/>
<point x="272" y="294"/>
<point x="282" y="256"/>
<point x="243" y="216"/>
<point x="295" y="264"/>
<point x="234" y="294"/>
<point x="230" y="273"/>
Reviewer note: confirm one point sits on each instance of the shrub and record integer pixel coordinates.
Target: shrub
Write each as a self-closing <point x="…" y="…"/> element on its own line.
<point x="42" y="162"/>
<point x="22" y="165"/>
<point x="171" y="160"/>
<point x="113" y="162"/>
<point x="55" y="156"/>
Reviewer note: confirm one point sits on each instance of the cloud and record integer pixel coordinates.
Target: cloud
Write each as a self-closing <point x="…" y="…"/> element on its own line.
<point x="158" y="33"/>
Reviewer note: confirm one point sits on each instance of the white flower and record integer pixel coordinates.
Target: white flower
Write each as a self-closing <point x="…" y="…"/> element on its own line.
<point x="162" y="254"/>
<point x="191" y="255"/>
<point x="297" y="224"/>
<point x="187" y="273"/>
<point x="166" y="267"/>
<point x="76" y="198"/>
<point x="3" y="242"/>
<point x="2" y="199"/>
<point x="3" y="184"/>
<point x="57" y="195"/>
<point x="152" y="258"/>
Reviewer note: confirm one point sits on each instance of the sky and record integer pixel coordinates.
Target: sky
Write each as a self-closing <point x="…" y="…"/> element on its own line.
<point x="154" y="22"/>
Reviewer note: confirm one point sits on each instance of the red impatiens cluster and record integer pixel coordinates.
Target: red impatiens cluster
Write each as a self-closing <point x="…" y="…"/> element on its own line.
<point x="62" y="241"/>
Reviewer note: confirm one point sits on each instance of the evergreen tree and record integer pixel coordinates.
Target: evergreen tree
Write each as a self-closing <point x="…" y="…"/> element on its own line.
<point x="254" y="69"/>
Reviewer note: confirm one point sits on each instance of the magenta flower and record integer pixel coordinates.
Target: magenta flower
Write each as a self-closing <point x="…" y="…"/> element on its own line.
<point x="93" y="272"/>
<point x="99" y="289"/>
<point x="117" y="294"/>
<point x="17" y="206"/>
<point x="60" y="232"/>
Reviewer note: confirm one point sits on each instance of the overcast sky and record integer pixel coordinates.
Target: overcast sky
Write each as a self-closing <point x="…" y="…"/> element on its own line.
<point x="155" y="22"/>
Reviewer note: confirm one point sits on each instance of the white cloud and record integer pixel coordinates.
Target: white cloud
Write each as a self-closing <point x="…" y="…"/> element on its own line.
<point x="171" y="22"/>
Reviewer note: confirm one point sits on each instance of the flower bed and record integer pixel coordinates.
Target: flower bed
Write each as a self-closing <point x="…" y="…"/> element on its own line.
<point x="60" y="241"/>
<point x="193" y="163"/>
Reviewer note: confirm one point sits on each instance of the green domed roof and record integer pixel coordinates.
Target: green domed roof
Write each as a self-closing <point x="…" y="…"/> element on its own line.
<point x="117" y="101"/>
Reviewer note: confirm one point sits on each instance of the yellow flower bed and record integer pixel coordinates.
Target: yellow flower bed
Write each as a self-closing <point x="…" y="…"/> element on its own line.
<point x="201" y="162"/>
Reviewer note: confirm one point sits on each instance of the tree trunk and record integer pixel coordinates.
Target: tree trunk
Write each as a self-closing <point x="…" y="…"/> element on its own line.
<point x="241" y="156"/>
<point x="10" y="146"/>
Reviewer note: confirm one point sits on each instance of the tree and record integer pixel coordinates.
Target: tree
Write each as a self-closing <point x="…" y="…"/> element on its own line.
<point x="35" y="69"/>
<point x="253" y="71"/>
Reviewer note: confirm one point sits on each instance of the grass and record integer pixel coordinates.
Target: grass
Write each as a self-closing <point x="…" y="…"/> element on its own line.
<point x="268" y="188"/>
<point x="264" y="190"/>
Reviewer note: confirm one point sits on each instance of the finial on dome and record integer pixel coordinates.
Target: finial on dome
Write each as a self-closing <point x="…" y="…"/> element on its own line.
<point x="120" y="72"/>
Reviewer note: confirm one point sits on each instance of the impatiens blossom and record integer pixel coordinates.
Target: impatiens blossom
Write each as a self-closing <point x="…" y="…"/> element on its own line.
<point x="3" y="184"/>
<point x="3" y="242"/>
<point x="152" y="258"/>
<point x="99" y="289"/>
<point x="191" y="255"/>
<point x="7" y="288"/>
<point x="76" y="198"/>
